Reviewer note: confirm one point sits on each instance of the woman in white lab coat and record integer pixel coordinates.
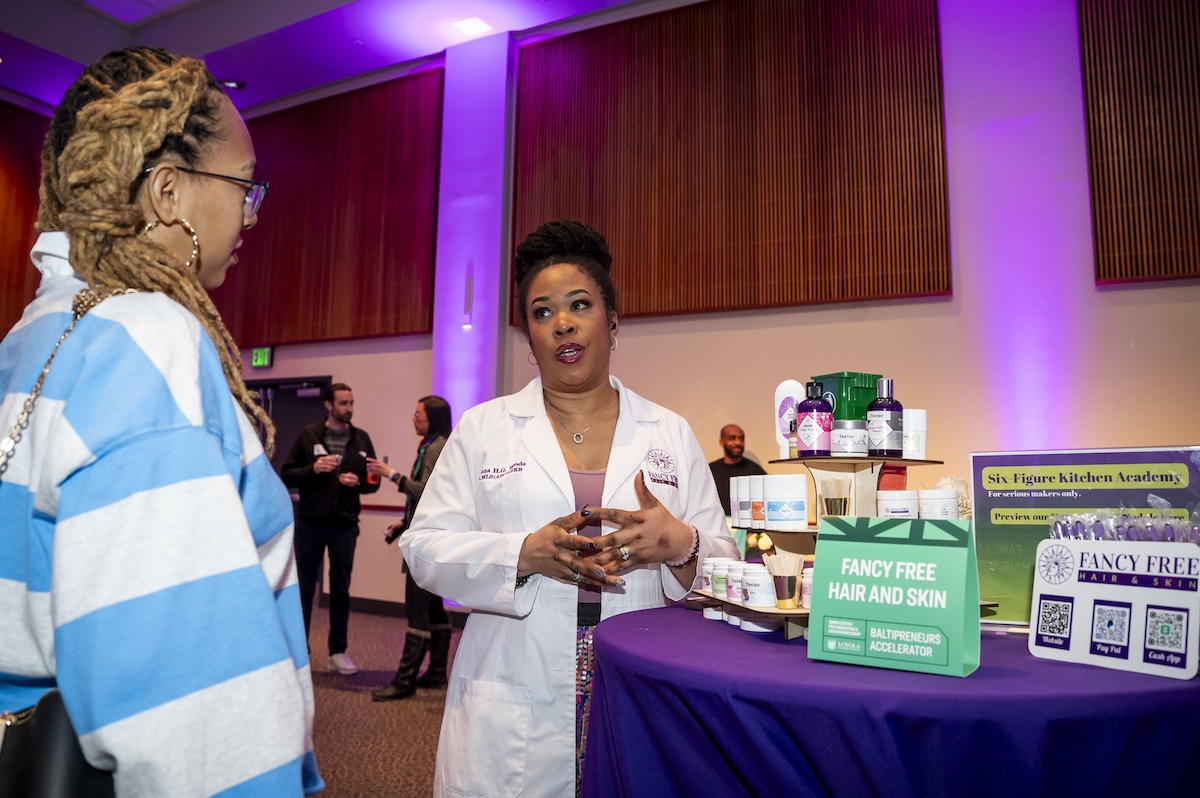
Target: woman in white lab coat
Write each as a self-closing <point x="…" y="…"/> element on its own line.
<point x="511" y="520"/>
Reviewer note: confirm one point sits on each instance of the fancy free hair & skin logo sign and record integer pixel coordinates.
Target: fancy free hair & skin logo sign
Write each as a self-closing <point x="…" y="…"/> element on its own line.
<point x="1126" y="605"/>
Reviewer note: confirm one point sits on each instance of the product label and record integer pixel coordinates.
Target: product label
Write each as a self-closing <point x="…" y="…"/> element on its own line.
<point x="848" y="441"/>
<point x="896" y="511"/>
<point x="941" y="509"/>
<point x="790" y="510"/>
<point x="758" y="592"/>
<point x="785" y="414"/>
<point x="812" y="431"/>
<point x="885" y="429"/>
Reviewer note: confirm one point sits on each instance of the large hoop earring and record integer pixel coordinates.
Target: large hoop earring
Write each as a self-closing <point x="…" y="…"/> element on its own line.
<point x="195" y="244"/>
<point x="190" y="231"/>
<point x="612" y="344"/>
<point x="530" y="358"/>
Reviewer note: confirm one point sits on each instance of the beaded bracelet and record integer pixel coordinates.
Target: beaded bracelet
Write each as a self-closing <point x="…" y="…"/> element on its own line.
<point x="691" y="558"/>
<point x="523" y="580"/>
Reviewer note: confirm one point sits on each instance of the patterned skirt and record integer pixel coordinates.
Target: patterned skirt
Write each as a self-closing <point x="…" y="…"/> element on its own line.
<point x="583" y="695"/>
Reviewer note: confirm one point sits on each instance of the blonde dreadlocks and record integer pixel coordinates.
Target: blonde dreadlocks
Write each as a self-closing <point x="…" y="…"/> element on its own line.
<point x="123" y="114"/>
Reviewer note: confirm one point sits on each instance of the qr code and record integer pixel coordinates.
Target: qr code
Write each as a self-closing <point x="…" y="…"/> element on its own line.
<point x="1111" y="625"/>
<point x="1055" y="618"/>
<point x="1165" y="629"/>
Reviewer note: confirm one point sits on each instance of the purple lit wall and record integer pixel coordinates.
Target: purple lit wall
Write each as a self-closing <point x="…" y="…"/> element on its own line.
<point x="43" y="76"/>
<point x="469" y="287"/>
<point x="1019" y="208"/>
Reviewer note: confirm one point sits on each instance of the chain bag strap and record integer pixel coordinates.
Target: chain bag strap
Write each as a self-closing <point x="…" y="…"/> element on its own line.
<point x="83" y="301"/>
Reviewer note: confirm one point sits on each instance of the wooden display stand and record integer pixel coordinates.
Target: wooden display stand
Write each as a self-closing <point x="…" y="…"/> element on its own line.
<point x="864" y="473"/>
<point x="794" y="621"/>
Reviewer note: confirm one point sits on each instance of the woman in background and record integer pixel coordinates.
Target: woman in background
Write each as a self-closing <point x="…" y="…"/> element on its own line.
<point x="145" y="540"/>
<point x="510" y="526"/>
<point x="428" y="624"/>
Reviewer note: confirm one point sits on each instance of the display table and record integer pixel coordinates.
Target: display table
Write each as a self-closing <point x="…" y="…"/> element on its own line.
<point x="691" y="707"/>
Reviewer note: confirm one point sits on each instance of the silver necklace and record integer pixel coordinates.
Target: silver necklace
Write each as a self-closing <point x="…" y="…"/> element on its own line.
<point x="578" y="436"/>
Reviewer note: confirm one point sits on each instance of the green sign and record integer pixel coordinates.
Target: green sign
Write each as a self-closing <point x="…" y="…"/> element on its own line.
<point x="261" y="357"/>
<point x="896" y="593"/>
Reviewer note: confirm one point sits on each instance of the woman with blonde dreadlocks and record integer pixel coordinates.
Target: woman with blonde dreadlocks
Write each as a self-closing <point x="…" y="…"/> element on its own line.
<point x="146" y="566"/>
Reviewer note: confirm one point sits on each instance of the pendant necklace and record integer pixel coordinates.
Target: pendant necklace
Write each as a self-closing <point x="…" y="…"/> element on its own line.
<point x="578" y="436"/>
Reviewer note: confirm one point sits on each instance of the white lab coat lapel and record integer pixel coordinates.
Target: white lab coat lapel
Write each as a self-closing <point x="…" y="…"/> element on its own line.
<point x="630" y="444"/>
<point x="539" y="439"/>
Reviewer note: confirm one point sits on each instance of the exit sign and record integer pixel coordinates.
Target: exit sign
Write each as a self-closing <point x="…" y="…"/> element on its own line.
<point x="260" y="358"/>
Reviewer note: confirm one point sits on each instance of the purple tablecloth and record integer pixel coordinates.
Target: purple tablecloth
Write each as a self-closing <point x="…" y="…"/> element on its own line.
<point x="692" y="707"/>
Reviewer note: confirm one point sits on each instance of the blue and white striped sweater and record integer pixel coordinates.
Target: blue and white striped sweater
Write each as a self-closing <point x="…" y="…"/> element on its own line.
<point x="146" y="563"/>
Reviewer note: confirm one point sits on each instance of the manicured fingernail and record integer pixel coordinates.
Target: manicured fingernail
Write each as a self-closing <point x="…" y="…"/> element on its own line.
<point x="620" y="583"/>
<point x="590" y="545"/>
<point x="599" y="572"/>
<point x="586" y="513"/>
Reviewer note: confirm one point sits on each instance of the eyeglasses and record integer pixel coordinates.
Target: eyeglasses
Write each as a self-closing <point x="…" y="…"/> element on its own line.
<point x="255" y="189"/>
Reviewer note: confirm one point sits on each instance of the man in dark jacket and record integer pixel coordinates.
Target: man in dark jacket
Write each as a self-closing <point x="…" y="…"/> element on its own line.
<point x="328" y="465"/>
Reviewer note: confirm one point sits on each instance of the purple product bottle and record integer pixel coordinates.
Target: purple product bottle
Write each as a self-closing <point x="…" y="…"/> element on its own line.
<point x="885" y="424"/>
<point x="814" y="420"/>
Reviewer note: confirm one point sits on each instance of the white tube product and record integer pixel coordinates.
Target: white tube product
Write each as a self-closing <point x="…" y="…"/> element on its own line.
<point x="787" y="396"/>
<point x="743" y="490"/>
<point x="785" y="502"/>
<point x="758" y="519"/>
<point x="732" y="509"/>
<point x="915" y="425"/>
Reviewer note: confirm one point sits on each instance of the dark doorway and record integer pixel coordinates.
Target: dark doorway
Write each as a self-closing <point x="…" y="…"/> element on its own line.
<point x="293" y="405"/>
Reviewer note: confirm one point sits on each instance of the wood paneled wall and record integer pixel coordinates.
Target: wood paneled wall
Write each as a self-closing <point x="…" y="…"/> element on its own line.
<point x="345" y="243"/>
<point x="1141" y="75"/>
<point x="745" y="153"/>
<point x="21" y="136"/>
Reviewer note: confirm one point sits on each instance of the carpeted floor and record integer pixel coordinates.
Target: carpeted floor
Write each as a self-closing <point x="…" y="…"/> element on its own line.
<point x="365" y="748"/>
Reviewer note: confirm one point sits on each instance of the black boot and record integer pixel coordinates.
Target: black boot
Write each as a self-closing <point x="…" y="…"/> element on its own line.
<point x="404" y="682"/>
<point x="439" y="654"/>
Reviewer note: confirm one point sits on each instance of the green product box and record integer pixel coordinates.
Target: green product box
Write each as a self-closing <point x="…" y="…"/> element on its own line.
<point x="849" y="392"/>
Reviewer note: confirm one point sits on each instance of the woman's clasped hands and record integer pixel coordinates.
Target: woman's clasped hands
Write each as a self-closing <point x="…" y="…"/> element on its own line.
<point x="647" y="536"/>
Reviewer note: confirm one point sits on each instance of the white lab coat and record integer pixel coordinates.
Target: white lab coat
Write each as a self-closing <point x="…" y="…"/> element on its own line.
<point x="509" y="723"/>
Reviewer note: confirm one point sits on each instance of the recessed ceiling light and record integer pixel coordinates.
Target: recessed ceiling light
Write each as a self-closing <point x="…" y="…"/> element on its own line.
<point x="233" y="84"/>
<point x="472" y="26"/>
